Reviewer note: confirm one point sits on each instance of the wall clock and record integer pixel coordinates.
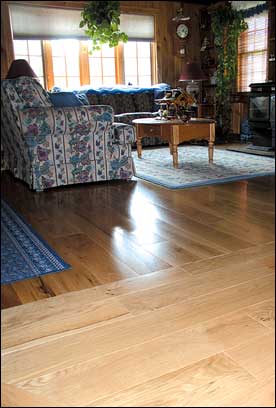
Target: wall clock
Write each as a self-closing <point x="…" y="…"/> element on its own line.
<point x="182" y="31"/>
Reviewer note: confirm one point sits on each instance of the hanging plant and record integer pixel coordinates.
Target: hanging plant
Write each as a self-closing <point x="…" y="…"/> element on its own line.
<point x="101" y="20"/>
<point x="227" y="25"/>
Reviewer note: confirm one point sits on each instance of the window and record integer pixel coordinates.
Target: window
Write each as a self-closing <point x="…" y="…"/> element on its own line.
<point x="252" y="52"/>
<point x="65" y="57"/>
<point x="31" y="51"/>
<point x="137" y="63"/>
<point x="102" y="69"/>
<point x="68" y="64"/>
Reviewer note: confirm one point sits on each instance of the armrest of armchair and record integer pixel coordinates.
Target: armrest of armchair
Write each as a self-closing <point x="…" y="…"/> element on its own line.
<point x="53" y="129"/>
<point x="129" y="117"/>
<point x="123" y="134"/>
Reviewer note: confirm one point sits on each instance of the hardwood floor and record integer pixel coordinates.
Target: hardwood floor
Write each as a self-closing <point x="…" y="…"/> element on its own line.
<point x="169" y="302"/>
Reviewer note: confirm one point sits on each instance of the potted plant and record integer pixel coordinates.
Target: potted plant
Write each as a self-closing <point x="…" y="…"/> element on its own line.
<point x="101" y="20"/>
<point x="227" y="25"/>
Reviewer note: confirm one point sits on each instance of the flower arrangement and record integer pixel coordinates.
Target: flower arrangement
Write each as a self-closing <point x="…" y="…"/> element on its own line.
<point x="176" y="104"/>
<point x="184" y="99"/>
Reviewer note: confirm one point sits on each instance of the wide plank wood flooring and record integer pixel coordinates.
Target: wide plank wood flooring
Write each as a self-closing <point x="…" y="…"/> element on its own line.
<point x="169" y="302"/>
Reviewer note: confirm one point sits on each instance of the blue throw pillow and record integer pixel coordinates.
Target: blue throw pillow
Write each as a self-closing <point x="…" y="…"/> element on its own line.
<point x="64" y="99"/>
<point x="82" y="98"/>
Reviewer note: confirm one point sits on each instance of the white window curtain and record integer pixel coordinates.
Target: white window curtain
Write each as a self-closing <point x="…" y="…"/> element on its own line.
<point x="244" y="5"/>
<point x="137" y="27"/>
<point x="30" y="22"/>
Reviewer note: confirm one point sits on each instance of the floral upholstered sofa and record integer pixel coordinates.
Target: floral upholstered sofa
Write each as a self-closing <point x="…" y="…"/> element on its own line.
<point x="49" y="146"/>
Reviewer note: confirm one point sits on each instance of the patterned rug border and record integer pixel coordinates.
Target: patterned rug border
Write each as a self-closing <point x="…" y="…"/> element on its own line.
<point x="52" y="252"/>
<point x="170" y="186"/>
<point x="204" y="183"/>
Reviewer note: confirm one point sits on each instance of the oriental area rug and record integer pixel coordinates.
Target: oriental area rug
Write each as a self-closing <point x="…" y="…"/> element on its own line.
<point x="156" y="166"/>
<point x="24" y="254"/>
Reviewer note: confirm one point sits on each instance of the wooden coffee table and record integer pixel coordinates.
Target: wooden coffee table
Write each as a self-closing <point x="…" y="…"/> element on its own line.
<point x="175" y="132"/>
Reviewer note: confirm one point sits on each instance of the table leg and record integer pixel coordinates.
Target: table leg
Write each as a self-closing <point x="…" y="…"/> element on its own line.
<point x="139" y="142"/>
<point x="211" y="151"/>
<point x="175" y="155"/>
<point x="171" y="151"/>
<point x="211" y="142"/>
<point x="174" y="143"/>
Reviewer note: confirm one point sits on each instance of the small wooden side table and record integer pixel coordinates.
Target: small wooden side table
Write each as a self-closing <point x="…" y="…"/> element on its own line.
<point x="175" y="132"/>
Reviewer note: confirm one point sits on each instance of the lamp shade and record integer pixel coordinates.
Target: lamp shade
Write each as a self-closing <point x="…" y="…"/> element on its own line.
<point x="192" y="72"/>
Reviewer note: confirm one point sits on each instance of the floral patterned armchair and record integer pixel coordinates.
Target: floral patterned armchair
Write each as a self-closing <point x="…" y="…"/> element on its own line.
<point x="48" y="146"/>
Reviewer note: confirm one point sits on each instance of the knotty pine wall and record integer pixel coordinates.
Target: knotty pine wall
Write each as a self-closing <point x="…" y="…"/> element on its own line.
<point x="168" y="63"/>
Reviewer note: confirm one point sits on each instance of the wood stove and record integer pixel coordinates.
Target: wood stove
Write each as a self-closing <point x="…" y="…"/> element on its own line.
<point x="261" y="115"/>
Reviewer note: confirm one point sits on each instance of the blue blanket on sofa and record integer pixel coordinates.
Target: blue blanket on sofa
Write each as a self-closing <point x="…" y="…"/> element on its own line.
<point x="116" y="89"/>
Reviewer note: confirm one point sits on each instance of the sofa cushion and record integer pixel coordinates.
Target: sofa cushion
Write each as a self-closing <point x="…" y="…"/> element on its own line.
<point x="64" y="99"/>
<point x="125" y="103"/>
<point x="107" y="100"/>
<point x="93" y="99"/>
<point x="144" y="102"/>
<point x="121" y="103"/>
<point x="82" y="98"/>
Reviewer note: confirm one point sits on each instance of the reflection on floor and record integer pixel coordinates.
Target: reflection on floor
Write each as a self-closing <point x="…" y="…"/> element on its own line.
<point x="170" y="301"/>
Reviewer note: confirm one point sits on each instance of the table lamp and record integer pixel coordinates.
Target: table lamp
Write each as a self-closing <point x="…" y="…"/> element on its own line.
<point x="192" y="74"/>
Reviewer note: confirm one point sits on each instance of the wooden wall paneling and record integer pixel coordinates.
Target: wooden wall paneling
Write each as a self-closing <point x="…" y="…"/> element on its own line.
<point x="141" y="6"/>
<point x="7" y="51"/>
<point x="55" y="4"/>
<point x="164" y="43"/>
<point x="237" y="117"/>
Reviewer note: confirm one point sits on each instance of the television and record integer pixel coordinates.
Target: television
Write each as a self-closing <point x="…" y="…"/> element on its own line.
<point x="259" y="108"/>
<point x="261" y="113"/>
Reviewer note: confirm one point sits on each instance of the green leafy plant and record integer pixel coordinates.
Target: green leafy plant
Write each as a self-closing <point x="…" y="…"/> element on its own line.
<point x="227" y="25"/>
<point x="101" y="20"/>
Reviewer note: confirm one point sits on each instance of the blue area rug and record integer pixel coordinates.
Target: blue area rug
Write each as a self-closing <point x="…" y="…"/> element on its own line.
<point x="194" y="169"/>
<point x="24" y="254"/>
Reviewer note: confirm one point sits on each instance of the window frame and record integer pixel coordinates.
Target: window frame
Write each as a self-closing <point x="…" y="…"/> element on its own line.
<point x="152" y="65"/>
<point x="28" y="56"/>
<point x="48" y="69"/>
<point x="265" y="51"/>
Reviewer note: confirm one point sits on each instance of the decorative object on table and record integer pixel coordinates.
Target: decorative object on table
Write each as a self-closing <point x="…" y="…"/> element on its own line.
<point x="176" y="104"/>
<point x="194" y="170"/>
<point x="102" y="22"/>
<point x="227" y="25"/>
<point x="24" y="254"/>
